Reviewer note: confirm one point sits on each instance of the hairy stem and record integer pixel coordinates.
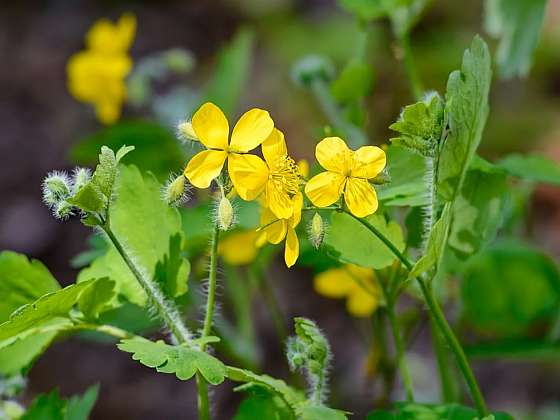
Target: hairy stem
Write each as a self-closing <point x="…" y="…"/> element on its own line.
<point x="165" y="309"/>
<point x="202" y="386"/>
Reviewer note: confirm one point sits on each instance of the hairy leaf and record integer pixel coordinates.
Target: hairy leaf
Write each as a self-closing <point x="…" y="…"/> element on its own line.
<point x="349" y="241"/>
<point x="517" y="24"/>
<point x="183" y="361"/>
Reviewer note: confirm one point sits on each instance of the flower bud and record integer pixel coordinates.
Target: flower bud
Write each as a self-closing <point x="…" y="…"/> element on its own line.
<point x="81" y="177"/>
<point x="317" y="230"/>
<point x="225" y="214"/>
<point x="186" y="131"/>
<point x="175" y="191"/>
<point x="63" y="210"/>
<point x="56" y="187"/>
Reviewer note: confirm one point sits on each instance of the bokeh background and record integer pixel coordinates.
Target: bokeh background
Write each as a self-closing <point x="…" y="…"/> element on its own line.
<point x="41" y="123"/>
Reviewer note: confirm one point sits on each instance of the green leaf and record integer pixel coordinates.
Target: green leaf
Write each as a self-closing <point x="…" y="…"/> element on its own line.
<point x="183" y="361"/>
<point x="95" y="299"/>
<point x="96" y="248"/>
<point x="435" y="245"/>
<point x="508" y="288"/>
<point x="46" y="407"/>
<point x="171" y="273"/>
<point x="520" y="349"/>
<point x="145" y="225"/>
<point x="20" y="355"/>
<point x="531" y="167"/>
<point x="517" y="24"/>
<point x="420" y="126"/>
<point x="365" y="9"/>
<point x="79" y="407"/>
<point x="22" y="281"/>
<point x="478" y="212"/>
<point x="349" y="241"/>
<point x="407" y="172"/>
<point x="263" y="403"/>
<point x="466" y="110"/>
<point x="316" y="412"/>
<point x="231" y="73"/>
<point x="416" y="411"/>
<point x="149" y="139"/>
<point x="353" y="83"/>
<point x="89" y="198"/>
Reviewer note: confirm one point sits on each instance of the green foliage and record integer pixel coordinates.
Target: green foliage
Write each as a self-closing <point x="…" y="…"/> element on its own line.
<point x="52" y="407"/>
<point x="232" y="72"/>
<point x="420" y="126"/>
<point x="262" y="403"/>
<point x="149" y="139"/>
<point x="353" y="83"/>
<point x="349" y="241"/>
<point x="478" y="212"/>
<point x="183" y="361"/>
<point x="149" y="229"/>
<point x="509" y="288"/>
<point x="531" y="167"/>
<point x="517" y="24"/>
<point x="319" y="412"/>
<point x="466" y="109"/>
<point x="414" y="411"/>
<point x="95" y="299"/>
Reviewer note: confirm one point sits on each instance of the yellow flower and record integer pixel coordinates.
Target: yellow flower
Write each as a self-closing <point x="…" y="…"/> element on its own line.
<point x="276" y="230"/>
<point x="239" y="248"/>
<point x="277" y="177"/>
<point x="357" y="284"/>
<point x="212" y="129"/>
<point x="347" y="172"/>
<point x="97" y="75"/>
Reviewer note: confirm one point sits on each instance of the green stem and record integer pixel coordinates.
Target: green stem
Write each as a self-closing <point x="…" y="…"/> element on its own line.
<point x="410" y="66"/>
<point x="274" y="309"/>
<point x="439" y="319"/>
<point x="202" y="385"/>
<point x="166" y="310"/>
<point x="447" y="385"/>
<point x="399" y="346"/>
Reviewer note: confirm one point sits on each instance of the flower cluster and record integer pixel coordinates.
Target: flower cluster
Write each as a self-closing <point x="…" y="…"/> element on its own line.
<point x="97" y="74"/>
<point x="277" y="180"/>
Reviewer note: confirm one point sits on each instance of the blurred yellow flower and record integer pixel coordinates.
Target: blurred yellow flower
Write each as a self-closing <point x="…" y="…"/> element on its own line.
<point x="277" y="177"/>
<point x="357" y="284"/>
<point x="212" y="129"/>
<point x="347" y="172"/>
<point x="239" y="248"/>
<point x="276" y="230"/>
<point x="97" y="74"/>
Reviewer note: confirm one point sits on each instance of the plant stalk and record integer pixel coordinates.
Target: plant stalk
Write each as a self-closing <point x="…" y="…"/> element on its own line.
<point x="411" y="71"/>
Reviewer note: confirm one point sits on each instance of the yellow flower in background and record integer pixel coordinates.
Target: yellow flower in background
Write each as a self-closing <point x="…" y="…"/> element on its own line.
<point x="277" y="177"/>
<point x="347" y="172"/>
<point x="277" y="230"/>
<point x="239" y="248"/>
<point x="212" y="129"/>
<point x="303" y="167"/>
<point x="97" y="74"/>
<point x="357" y="284"/>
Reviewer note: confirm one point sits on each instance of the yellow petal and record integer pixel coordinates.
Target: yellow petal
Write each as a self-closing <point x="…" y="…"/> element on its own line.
<point x="204" y="167"/>
<point x="274" y="147"/>
<point x="239" y="248"/>
<point x="297" y="202"/>
<point x="274" y="228"/>
<point x="333" y="155"/>
<point x="291" y="251"/>
<point x="108" y="112"/>
<point x="334" y="283"/>
<point x="368" y="162"/>
<point x="278" y="201"/>
<point x="303" y="167"/>
<point x="248" y="174"/>
<point x="361" y="304"/>
<point x="251" y="130"/>
<point x="109" y="38"/>
<point x="324" y="189"/>
<point x="211" y="126"/>
<point x="360" y="197"/>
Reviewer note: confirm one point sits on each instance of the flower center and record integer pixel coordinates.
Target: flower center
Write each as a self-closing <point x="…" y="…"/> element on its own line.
<point x="285" y="174"/>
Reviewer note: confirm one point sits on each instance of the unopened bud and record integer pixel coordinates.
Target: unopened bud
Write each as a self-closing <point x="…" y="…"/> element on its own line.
<point x="56" y="187"/>
<point x="186" y="131"/>
<point x="225" y="214"/>
<point x="63" y="210"/>
<point x="317" y="230"/>
<point x="81" y="177"/>
<point x="175" y="192"/>
<point x="382" y="178"/>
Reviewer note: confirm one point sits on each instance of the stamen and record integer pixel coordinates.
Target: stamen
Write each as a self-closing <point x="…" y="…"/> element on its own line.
<point x="285" y="175"/>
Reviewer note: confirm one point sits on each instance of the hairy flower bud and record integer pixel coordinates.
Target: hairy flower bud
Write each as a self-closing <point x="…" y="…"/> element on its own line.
<point x="175" y="191"/>
<point x="186" y="131"/>
<point x="316" y="230"/>
<point x="225" y="214"/>
<point x="81" y="177"/>
<point x="56" y="187"/>
<point x="63" y="210"/>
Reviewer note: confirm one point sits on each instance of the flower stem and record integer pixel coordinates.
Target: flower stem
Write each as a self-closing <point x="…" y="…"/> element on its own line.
<point x="439" y="319"/>
<point x="410" y="66"/>
<point x="399" y="346"/>
<point x="201" y="384"/>
<point x="447" y="385"/>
